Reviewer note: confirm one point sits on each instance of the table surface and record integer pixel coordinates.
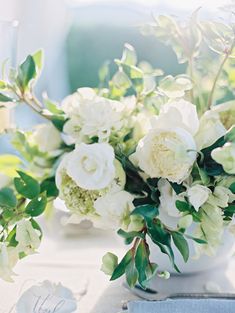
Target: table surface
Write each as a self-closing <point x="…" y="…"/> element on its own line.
<point x="75" y="260"/>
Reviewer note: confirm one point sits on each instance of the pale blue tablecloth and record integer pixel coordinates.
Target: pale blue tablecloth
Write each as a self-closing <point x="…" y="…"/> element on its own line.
<point x="183" y="306"/>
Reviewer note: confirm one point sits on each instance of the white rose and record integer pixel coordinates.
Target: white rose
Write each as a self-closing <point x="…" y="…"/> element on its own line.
<point x="5" y="119"/>
<point x="178" y="113"/>
<point x="142" y="125"/>
<point x="198" y="195"/>
<point x="210" y="130"/>
<point x="27" y="237"/>
<point x="92" y="116"/>
<point x="226" y="157"/>
<point x="46" y="137"/>
<point x="114" y="210"/>
<point x="92" y="166"/>
<point x="167" y="153"/>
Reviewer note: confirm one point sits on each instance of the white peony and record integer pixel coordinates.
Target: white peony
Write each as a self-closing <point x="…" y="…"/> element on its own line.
<point x="226" y="157"/>
<point x="167" y="153"/>
<point x="198" y="195"/>
<point x="8" y="259"/>
<point x="27" y="237"/>
<point x="92" y="166"/>
<point x="178" y="113"/>
<point x="210" y="130"/>
<point x="114" y="210"/>
<point x="5" y="119"/>
<point x="91" y="116"/>
<point x="46" y="137"/>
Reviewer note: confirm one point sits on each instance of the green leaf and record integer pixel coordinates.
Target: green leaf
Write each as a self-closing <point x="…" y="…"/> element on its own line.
<point x="58" y="121"/>
<point x="4" y="98"/>
<point x="230" y="135"/>
<point x="121" y="268"/>
<point x="147" y="211"/>
<point x="26" y="185"/>
<point x="36" y="206"/>
<point x="51" y="106"/>
<point x="181" y="245"/>
<point x="198" y="240"/>
<point x="49" y="186"/>
<point x="183" y="206"/>
<point x="26" y="72"/>
<point x="131" y="274"/>
<point x="37" y="227"/>
<point x="11" y="238"/>
<point x="38" y="59"/>
<point x="7" y="198"/>
<point x="129" y="236"/>
<point x="232" y="187"/>
<point x="3" y="85"/>
<point x="141" y="262"/>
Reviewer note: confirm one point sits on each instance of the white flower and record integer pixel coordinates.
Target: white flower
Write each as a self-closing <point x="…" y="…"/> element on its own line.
<point x="46" y="137"/>
<point x="27" y="237"/>
<point x="92" y="166"/>
<point x="141" y="125"/>
<point x="47" y="297"/>
<point x="221" y="197"/>
<point x="226" y="157"/>
<point x="210" y="130"/>
<point x="114" y="210"/>
<point x="198" y="195"/>
<point x="168" y="198"/>
<point x="167" y="153"/>
<point x="210" y="229"/>
<point x="185" y="221"/>
<point x="5" y="119"/>
<point x="8" y="259"/>
<point x="91" y="116"/>
<point x="178" y="113"/>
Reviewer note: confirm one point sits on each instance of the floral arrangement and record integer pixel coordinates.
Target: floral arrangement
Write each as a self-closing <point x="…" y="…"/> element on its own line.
<point x="145" y="154"/>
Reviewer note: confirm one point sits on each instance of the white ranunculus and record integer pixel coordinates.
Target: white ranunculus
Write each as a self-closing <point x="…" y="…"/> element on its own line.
<point x="198" y="195"/>
<point x="167" y="153"/>
<point x="92" y="116"/>
<point x="226" y="157"/>
<point x="27" y="237"/>
<point x="92" y="166"/>
<point x="8" y="259"/>
<point x="210" y="129"/>
<point x="47" y="297"/>
<point x="114" y="210"/>
<point x="46" y="137"/>
<point x="5" y="119"/>
<point x="178" y="113"/>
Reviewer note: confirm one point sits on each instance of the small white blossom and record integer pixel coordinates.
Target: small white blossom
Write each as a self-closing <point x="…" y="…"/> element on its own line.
<point x="46" y="137"/>
<point x="27" y="237"/>
<point x="198" y="195"/>
<point x="226" y="157"/>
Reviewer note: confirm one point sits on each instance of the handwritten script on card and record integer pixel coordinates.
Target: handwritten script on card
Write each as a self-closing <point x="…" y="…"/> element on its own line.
<point x="47" y="298"/>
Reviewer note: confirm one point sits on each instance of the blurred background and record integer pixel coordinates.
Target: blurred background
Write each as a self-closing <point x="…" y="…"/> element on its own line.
<point x="78" y="36"/>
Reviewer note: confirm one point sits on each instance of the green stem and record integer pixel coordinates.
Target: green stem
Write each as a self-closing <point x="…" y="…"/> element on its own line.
<point x="210" y="99"/>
